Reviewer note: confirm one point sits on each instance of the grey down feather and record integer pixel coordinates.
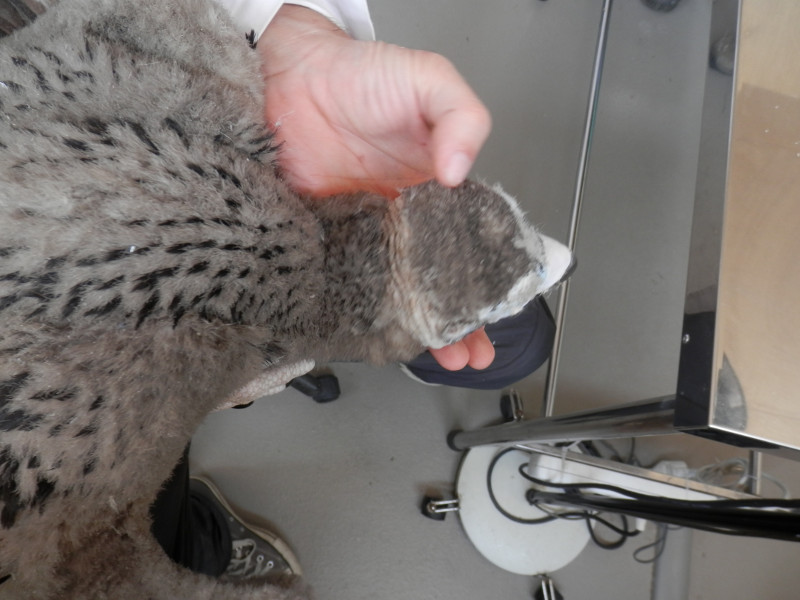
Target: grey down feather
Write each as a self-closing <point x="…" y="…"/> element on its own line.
<point x="152" y="263"/>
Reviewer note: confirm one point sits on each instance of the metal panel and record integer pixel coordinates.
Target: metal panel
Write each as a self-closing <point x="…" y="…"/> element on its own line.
<point x="739" y="377"/>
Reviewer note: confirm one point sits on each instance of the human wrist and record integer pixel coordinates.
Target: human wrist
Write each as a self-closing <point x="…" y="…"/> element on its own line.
<point x="294" y="33"/>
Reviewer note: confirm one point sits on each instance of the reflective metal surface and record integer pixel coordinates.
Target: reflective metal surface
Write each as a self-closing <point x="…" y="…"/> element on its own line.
<point x="739" y="372"/>
<point x="635" y="419"/>
<point x="593" y="469"/>
<point x="739" y="376"/>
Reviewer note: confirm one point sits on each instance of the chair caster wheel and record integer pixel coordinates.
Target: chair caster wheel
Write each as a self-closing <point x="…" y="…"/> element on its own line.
<point x="436" y="508"/>
<point x="320" y="388"/>
<point x="547" y="590"/>
<point x="511" y="406"/>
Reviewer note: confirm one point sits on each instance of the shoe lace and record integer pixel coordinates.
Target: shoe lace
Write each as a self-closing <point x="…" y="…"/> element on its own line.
<point x="246" y="561"/>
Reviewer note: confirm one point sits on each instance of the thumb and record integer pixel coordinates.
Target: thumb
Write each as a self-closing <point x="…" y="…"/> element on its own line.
<point x="459" y="122"/>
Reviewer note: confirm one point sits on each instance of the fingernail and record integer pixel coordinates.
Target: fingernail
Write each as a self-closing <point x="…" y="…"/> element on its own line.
<point x="457" y="169"/>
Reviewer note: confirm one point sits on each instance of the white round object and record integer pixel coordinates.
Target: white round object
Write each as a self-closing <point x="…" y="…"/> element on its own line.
<point x="520" y="548"/>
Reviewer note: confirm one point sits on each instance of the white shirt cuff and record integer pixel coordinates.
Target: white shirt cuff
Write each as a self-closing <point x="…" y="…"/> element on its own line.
<point x="350" y="15"/>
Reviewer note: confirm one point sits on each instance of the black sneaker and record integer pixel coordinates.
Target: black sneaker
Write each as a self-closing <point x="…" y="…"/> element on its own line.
<point x="256" y="551"/>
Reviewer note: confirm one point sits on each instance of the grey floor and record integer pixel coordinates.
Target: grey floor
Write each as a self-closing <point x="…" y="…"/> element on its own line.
<point x="342" y="482"/>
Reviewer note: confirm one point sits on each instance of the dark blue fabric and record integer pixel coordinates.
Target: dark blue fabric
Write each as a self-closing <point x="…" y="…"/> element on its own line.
<point x="522" y="344"/>
<point x="190" y="529"/>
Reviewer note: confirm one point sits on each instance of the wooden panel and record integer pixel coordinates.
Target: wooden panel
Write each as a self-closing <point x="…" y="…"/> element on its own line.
<point x="759" y="294"/>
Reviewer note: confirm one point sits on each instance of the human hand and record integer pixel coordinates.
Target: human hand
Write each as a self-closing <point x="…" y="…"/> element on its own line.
<point x="369" y="116"/>
<point x="475" y="350"/>
<point x="364" y="115"/>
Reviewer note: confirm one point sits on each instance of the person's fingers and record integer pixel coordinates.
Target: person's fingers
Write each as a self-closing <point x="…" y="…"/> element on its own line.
<point x="457" y="138"/>
<point x="453" y="357"/>
<point x="475" y="350"/>
<point x="459" y="122"/>
<point x="480" y="348"/>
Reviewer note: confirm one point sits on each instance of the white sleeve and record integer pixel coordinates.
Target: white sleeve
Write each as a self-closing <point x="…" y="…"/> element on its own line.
<point x="350" y="15"/>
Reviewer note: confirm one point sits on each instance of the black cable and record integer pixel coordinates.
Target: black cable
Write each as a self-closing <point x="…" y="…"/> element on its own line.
<point x="658" y="546"/>
<point x="587" y="516"/>
<point x="756" y="517"/>
<point x="733" y="517"/>
<point x="717" y="514"/>
<point x="623" y="531"/>
<point x="493" y="498"/>
<point x="697" y="515"/>
<point x="754" y="503"/>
